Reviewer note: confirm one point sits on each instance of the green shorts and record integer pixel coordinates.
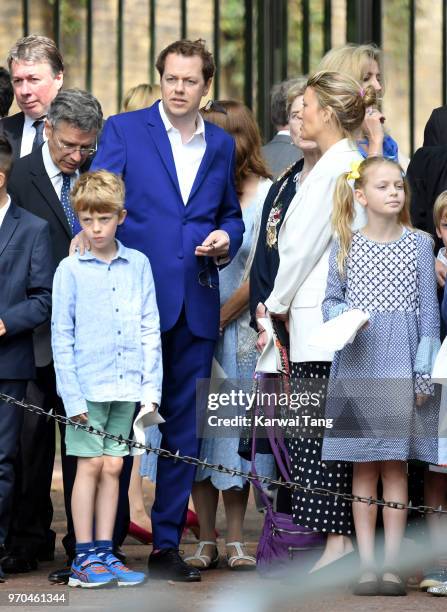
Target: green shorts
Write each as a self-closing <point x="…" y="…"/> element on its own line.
<point x="114" y="417"/>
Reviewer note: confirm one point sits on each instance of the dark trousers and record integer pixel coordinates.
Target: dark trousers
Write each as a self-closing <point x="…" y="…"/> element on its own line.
<point x="30" y="532"/>
<point x="185" y="359"/>
<point x="11" y="418"/>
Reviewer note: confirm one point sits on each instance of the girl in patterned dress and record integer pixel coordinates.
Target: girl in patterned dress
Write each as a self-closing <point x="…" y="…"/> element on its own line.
<point x="380" y="397"/>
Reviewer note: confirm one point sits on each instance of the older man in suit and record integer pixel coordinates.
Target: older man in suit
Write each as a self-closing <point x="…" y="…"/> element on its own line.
<point x="37" y="74"/>
<point x="183" y="213"/>
<point x="26" y="274"/>
<point x="41" y="183"/>
<point x="280" y="152"/>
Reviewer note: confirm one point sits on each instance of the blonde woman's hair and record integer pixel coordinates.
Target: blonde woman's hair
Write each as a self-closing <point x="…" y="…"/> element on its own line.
<point x="351" y="59"/>
<point x="140" y="96"/>
<point x="439" y="209"/>
<point x="297" y="89"/>
<point x="100" y="191"/>
<point x="345" y="96"/>
<point x="343" y="211"/>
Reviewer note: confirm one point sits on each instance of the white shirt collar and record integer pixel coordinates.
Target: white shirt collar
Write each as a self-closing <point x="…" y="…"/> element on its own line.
<point x="283" y="133"/>
<point x="50" y="167"/>
<point x="200" y="124"/>
<point x="4" y="209"/>
<point x="28" y="123"/>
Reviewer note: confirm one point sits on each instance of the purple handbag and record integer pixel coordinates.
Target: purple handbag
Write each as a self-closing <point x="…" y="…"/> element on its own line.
<point x="282" y="542"/>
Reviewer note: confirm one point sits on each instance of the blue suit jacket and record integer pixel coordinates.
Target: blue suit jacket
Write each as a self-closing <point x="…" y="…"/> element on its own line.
<point x="26" y="277"/>
<point x="137" y="146"/>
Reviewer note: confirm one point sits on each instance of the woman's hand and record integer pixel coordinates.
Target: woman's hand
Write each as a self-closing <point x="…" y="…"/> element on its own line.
<point x="262" y="340"/>
<point x="80" y="242"/>
<point x="373" y="129"/>
<point x="421" y="399"/>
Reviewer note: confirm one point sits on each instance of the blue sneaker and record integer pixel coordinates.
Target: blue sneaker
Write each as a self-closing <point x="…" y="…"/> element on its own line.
<point x="90" y="573"/>
<point x="433" y="577"/>
<point x="124" y="575"/>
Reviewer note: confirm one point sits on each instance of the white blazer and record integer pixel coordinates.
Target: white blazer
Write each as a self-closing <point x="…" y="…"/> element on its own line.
<point x="304" y="243"/>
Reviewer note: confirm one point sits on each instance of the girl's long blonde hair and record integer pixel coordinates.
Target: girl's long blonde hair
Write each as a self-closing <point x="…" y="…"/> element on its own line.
<point x="343" y="212"/>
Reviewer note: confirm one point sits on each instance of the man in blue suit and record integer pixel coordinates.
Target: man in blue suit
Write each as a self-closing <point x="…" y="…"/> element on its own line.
<point x="26" y="276"/>
<point x="184" y="214"/>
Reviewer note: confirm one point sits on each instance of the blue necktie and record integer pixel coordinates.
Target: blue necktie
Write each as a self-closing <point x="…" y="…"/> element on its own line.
<point x="38" y="125"/>
<point x="66" y="204"/>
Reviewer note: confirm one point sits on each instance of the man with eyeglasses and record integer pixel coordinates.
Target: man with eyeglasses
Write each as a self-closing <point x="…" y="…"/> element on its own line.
<point x="41" y="183"/>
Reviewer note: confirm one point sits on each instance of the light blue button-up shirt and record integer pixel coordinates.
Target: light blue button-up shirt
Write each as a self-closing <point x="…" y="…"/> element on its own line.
<point x="106" y="331"/>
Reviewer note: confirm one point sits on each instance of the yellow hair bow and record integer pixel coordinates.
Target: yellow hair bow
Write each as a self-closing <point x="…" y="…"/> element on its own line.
<point x="354" y="174"/>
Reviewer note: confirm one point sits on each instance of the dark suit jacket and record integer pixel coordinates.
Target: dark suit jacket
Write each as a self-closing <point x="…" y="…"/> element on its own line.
<point x="31" y="188"/>
<point x="435" y="133"/>
<point x="427" y="175"/>
<point x="12" y="128"/>
<point x="280" y="153"/>
<point x="159" y="224"/>
<point x="26" y="277"/>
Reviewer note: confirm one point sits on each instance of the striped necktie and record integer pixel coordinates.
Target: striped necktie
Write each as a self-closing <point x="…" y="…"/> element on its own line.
<point x="38" y="125"/>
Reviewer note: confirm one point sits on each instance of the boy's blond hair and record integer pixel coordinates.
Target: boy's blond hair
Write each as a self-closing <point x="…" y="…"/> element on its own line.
<point x="440" y="209"/>
<point x="100" y="191"/>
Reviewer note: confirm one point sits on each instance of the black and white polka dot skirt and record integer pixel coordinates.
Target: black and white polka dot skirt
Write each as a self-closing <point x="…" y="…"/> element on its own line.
<point x="321" y="513"/>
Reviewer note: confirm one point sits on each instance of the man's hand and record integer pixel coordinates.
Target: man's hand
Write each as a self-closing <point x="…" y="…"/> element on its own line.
<point x="2" y="328"/>
<point x="216" y="244"/>
<point x="79" y="242"/>
<point x="80" y="418"/>
<point x="441" y="272"/>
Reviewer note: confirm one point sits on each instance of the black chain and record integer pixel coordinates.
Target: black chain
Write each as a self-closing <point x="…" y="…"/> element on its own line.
<point x="202" y="464"/>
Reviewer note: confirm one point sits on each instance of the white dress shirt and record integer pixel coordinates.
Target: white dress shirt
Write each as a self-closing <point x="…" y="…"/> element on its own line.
<point x="54" y="173"/>
<point x="4" y="209"/>
<point x="28" y="135"/>
<point x="188" y="155"/>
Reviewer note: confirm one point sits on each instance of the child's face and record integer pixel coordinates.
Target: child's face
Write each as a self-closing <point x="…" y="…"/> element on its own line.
<point x="383" y="192"/>
<point x="100" y="228"/>
<point x="441" y="231"/>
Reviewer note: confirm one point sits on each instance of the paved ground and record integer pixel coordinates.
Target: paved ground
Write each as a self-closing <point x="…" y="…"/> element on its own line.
<point x="220" y="589"/>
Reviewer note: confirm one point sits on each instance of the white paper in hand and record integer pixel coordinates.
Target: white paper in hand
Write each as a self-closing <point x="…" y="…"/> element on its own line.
<point x="267" y="362"/>
<point x="339" y="331"/>
<point x="145" y="418"/>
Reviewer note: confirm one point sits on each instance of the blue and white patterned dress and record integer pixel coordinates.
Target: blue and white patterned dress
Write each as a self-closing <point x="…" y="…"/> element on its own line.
<point x="373" y="380"/>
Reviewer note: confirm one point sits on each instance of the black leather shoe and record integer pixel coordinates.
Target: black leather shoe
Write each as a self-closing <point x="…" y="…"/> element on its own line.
<point x="18" y="564"/>
<point x="167" y="564"/>
<point x="60" y="576"/>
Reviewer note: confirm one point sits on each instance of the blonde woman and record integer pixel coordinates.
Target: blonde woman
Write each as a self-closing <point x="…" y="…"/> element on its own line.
<point x="364" y="64"/>
<point x="333" y="111"/>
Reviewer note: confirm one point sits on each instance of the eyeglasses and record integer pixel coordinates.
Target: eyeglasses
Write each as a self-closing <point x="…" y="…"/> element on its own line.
<point x="204" y="276"/>
<point x="212" y="105"/>
<point x="68" y="149"/>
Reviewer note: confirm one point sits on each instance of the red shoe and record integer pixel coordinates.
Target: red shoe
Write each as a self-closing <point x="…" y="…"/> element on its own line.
<point x="142" y="535"/>
<point x="192" y="523"/>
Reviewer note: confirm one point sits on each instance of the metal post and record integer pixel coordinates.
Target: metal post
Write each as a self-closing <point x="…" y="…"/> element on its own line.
<point x="272" y="61"/>
<point x="25" y="20"/>
<point x="248" y="53"/>
<point x="364" y="21"/>
<point x="119" y="58"/>
<point x="183" y="17"/>
<point x="411" y="66"/>
<point x="216" y="45"/>
<point x="327" y="25"/>
<point x="305" y="36"/>
<point x="57" y="22"/>
<point x="89" y="44"/>
<point x="152" y="41"/>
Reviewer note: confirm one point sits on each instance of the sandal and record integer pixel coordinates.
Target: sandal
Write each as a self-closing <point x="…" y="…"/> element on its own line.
<point x="201" y="561"/>
<point x="391" y="587"/>
<point x="233" y="560"/>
